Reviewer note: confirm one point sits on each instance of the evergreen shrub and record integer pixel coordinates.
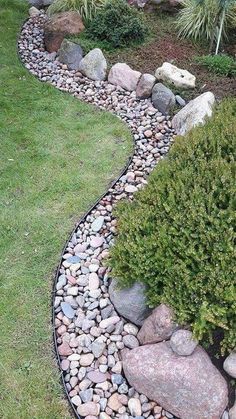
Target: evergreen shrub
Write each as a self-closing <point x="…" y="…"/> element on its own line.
<point x="178" y="235"/>
<point x="119" y="24"/>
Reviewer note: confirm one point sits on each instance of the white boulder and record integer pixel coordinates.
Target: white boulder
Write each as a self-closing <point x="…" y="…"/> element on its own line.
<point x="176" y="76"/>
<point x="194" y="113"/>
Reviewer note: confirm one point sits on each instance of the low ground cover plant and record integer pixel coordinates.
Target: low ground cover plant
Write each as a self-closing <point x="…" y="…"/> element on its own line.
<point x="219" y="64"/>
<point x="118" y="24"/>
<point x="178" y="235"/>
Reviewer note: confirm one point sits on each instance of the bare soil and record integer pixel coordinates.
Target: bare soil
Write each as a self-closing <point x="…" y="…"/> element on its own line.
<point x="165" y="45"/>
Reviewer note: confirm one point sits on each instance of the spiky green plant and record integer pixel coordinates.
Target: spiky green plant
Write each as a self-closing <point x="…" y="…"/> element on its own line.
<point x="227" y="12"/>
<point x="206" y="19"/>
<point x="86" y="8"/>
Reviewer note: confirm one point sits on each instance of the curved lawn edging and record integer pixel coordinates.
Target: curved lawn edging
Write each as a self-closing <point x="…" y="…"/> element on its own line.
<point x="58" y="274"/>
<point x="81" y="281"/>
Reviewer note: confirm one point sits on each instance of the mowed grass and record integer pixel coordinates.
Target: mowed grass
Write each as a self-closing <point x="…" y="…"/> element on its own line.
<point x="57" y="155"/>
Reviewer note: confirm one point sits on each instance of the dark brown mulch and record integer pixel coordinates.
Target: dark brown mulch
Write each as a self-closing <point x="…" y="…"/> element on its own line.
<point x="166" y="46"/>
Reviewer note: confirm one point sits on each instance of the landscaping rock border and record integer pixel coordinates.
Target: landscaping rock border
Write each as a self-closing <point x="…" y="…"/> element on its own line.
<point x="89" y="334"/>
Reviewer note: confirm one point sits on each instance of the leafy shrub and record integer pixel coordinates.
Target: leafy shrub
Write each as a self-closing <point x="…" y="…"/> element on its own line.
<point x="219" y="64"/>
<point x="86" y="8"/>
<point x="178" y="235"/>
<point x="119" y="24"/>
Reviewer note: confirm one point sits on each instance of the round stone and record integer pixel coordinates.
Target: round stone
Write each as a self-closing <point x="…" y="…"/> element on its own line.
<point x="65" y="364"/>
<point x="130" y="341"/>
<point x="89" y="408"/>
<point x="97" y="376"/>
<point x="130" y="189"/>
<point x="182" y="342"/>
<point x="64" y="349"/>
<point x="109" y="322"/>
<point x="96" y="241"/>
<point x="135" y="407"/>
<point x="230" y="364"/>
<point x="86" y="360"/>
<point x="114" y="402"/>
<point x="148" y="133"/>
<point x="131" y="329"/>
<point x="93" y="281"/>
<point x="76" y="400"/>
<point x="117" y="379"/>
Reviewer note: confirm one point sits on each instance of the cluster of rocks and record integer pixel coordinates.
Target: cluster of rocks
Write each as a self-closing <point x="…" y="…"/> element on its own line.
<point x="172" y="368"/>
<point x="96" y="325"/>
<point x="94" y="66"/>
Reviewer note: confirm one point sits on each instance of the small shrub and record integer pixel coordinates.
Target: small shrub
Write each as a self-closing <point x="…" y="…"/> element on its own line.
<point x="119" y="24"/>
<point x="86" y="8"/>
<point x="178" y="235"/>
<point x="219" y="64"/>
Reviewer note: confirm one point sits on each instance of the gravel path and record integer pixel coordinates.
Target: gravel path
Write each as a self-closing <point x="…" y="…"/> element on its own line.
<point x="90" y="334"/>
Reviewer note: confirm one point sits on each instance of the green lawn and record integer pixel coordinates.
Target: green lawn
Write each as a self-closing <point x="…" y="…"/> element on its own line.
<point x="57" y="156"/>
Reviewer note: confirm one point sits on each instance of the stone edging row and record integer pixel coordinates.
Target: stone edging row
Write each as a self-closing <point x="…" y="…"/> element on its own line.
<point x="88" y="333"/>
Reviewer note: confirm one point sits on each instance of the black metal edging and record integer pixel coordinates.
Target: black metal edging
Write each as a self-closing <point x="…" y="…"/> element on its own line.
<point x="57" y="273"/>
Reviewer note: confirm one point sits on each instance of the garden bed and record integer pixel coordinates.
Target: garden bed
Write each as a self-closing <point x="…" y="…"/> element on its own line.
<point x="163" y="44"/>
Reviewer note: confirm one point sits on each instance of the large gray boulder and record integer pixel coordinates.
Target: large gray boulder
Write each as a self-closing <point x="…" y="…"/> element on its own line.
<point x="122" y="75"/>
<point x="130" y="302"/>
<point x="188" y="387"/>
<point x="70" y="54"/>
<point x="163" y="98"/>
<point x="158" y="326"/>
<point x="145" y="86"/>
<point x="230" y="364"/>
<point x="194" y="113"/>
<point x="94" y="65"/>
<point x="176" y="76"/>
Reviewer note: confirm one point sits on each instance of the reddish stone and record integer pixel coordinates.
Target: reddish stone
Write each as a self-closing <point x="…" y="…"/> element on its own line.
<point x="64" y="349"/>
<point x="158" y="326"/>
<point x="71" y="279"/>
<point x="97" y="376"/>
<point x="59" y="25"/>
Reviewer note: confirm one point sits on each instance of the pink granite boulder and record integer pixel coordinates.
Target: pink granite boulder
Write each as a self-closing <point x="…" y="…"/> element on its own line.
<point x="188" y="387"/>
<point x="122" y="75"/>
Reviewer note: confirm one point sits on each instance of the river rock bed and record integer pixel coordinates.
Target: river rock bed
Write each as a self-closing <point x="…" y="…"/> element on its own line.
<point x="90" y="333"/>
